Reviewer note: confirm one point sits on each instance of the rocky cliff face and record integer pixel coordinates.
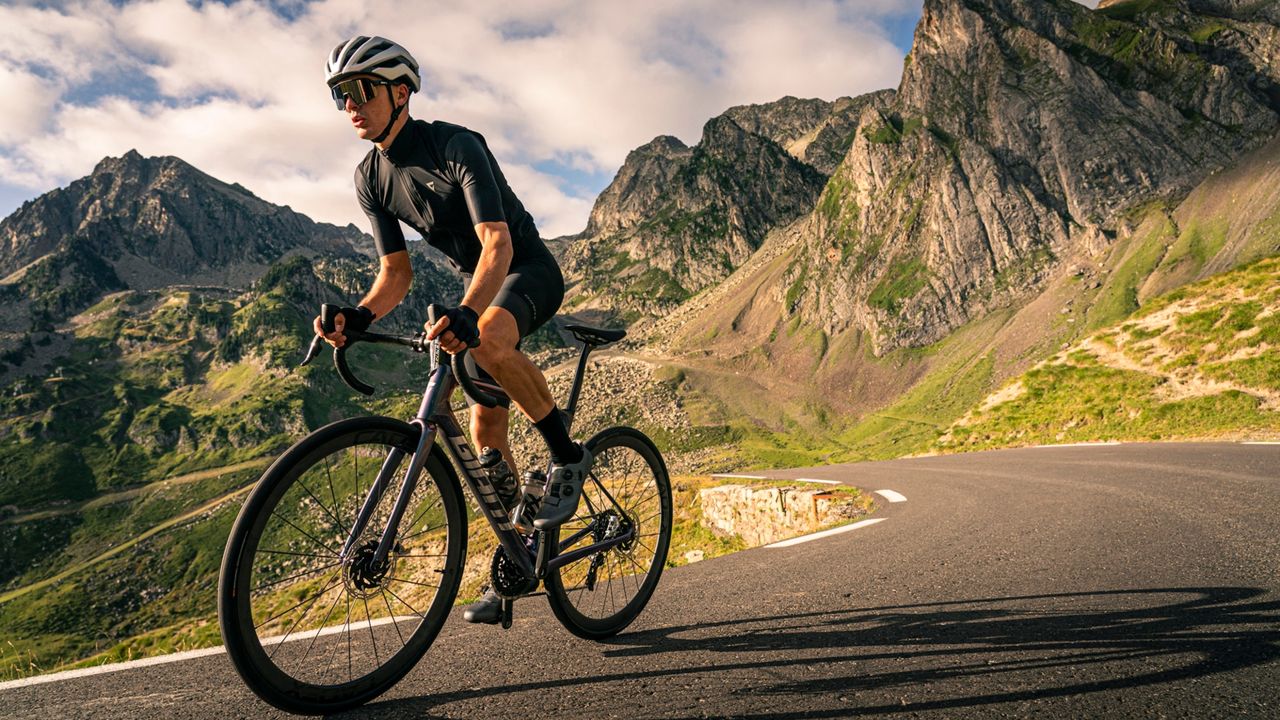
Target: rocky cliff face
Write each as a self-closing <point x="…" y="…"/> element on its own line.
<point x="677" y="219"/>
<point x="143" y="223"/>
<point x="1020" y="134"/>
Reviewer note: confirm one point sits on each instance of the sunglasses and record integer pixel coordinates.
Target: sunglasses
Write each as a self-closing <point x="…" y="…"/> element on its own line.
<point x="360" y="90"/>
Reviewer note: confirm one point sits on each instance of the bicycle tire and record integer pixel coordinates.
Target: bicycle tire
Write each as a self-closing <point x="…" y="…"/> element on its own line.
<point x="253" y="649"/>
<point x="644" y="499"/>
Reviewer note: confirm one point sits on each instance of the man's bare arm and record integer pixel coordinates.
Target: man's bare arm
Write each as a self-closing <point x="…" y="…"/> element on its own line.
<point x="492" y="267"/>
<point x="395" y="275"/>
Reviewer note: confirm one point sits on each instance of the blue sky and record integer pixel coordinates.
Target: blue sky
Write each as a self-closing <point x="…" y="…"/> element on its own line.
<point x="561" y="89"/>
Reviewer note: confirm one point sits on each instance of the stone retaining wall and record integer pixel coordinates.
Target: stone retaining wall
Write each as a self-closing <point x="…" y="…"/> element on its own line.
<point x="765" y="515"/>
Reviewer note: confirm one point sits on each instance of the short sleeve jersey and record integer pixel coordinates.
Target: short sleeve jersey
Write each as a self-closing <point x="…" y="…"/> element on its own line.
<point x="442" y="180"/>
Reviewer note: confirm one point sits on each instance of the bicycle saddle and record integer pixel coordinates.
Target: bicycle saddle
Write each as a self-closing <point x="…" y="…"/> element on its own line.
<point x="595" y="336"/>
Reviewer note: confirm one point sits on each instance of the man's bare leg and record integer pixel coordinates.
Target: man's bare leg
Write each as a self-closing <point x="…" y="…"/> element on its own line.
<point x="527" y="387"/>
<point x="489" y="429"/>
<point x="525" y="384"/>
<point x="514" y="371"/>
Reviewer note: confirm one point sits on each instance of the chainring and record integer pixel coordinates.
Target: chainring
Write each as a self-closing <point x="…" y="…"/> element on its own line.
<point x="506" y="578"/>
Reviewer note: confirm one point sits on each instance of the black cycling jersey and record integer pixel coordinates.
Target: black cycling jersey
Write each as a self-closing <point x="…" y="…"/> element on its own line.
<point x="441" y="180"/>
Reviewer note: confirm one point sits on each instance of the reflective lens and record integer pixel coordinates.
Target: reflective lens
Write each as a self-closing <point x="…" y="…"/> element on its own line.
<point x="360" y="90"/>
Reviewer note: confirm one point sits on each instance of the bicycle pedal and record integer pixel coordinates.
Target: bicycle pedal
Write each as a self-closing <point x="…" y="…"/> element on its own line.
<point x="507" y="605"/>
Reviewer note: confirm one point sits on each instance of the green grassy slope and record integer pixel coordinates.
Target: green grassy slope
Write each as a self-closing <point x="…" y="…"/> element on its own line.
<point x="1200" y="362"/>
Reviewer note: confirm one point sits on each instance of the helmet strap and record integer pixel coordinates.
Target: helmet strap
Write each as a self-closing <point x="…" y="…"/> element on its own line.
<point x="395" y="115"/>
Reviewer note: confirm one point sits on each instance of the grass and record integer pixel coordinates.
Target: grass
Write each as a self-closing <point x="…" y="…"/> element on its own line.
<point x="1137" y="260"/>
<point x="1161" y="375"/>
<point x="913" y="423"/>
<point x="902" y="281"/>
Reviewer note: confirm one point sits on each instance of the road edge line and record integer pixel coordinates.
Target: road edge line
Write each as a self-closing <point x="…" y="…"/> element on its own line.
<point x="824" y="533"/>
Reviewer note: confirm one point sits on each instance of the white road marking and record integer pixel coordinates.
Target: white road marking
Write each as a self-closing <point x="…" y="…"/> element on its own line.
<point x="739" y="477"/>
<point x="892" y="496"/>
<point x="816" y="480"/>
<point x="1080" y="444"/>
<point x="825" y="533"/>
<point x="1261" y="442"/>
<point x="110" y="667"/>
<point x="187" y="655"/>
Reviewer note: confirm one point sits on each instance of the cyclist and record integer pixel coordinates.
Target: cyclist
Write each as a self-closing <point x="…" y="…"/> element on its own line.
<point x="442" y="180"/>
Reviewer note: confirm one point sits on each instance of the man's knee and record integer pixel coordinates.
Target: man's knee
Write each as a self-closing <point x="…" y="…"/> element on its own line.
<point x="498" y="338"/>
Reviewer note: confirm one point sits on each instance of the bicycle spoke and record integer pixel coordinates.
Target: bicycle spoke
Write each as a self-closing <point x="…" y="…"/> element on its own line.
<point x="421" y="532"/>
<point x="402" y="602"/>
<point x="304" y="532"/>
<point x="337" y="525"/>
<point x="301" y="617"/>
<point x="415" y="582"/>
<point x="295" y="577"/>
<point x="368" y="623"/>
<point x="300" y="554"/>
<point x="348" y="634"/>
<point x="646" y="547"/>
<point x="391" y="614"/>
<point x="425" y="510"/>
<point x="315" y="637"/>
<point x="295" y="606"/>
<point x="332" y="494"/>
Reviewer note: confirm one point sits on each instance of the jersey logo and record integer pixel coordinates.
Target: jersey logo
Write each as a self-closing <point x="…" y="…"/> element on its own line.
<point x="431" y="185"/>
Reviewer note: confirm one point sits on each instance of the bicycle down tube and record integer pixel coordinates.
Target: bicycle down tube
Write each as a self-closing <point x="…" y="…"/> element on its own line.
<point x="430" y="420"/>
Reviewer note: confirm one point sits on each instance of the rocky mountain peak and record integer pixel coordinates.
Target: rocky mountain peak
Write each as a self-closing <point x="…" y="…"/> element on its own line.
<point x="1021" y="131"/>
<point x="147" y="222"/>
<point x="676" y="219"/>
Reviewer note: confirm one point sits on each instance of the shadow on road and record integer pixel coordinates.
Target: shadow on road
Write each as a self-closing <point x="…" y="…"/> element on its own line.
<point x="1000" y="650"/>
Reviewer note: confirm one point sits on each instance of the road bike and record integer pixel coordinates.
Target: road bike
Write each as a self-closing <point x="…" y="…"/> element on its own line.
<point x="346" y="558"/>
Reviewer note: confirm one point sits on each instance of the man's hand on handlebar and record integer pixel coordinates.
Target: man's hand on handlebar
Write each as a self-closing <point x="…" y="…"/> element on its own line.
<point x="355" y="318"/>
<point x="457" y="329"/>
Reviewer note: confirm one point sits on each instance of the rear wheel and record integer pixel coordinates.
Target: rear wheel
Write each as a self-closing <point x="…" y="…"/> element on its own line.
<point x="309" y="630"/>
<point x="627" y="490"/>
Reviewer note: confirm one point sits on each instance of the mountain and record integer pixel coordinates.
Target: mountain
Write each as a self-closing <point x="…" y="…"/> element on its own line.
<point x="1021" y="133"/>
<point x="165" y="310"/>
<point x="677" y="219"/>
<point x="1042" y="171"/>
<point x="143" y="223"/>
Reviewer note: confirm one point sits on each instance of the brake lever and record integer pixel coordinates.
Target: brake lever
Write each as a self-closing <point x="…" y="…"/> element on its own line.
<point x="328" y="313"/>
<point x="312" y="351"/>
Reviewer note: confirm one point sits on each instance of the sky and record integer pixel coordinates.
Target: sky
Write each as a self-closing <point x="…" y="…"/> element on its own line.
<point x="562" y="90"/>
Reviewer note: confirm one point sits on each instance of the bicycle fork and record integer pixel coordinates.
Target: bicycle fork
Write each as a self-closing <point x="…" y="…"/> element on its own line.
<point x="438" y="387"/>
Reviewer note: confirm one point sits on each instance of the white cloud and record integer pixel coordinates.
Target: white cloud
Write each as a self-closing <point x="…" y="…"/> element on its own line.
<point x="237" y="90"/>
<point x="31" y="105"/>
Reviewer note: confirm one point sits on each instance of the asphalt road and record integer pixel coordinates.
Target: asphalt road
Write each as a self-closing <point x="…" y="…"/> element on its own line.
<point x="1112" y="581"/>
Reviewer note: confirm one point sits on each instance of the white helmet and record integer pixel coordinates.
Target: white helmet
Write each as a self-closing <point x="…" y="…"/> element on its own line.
<point x="365" y="55"/>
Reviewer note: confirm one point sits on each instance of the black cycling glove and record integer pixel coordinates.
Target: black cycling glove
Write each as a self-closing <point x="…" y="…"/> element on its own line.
<point x="464" y="324"/>
<point x="356" y="318"/>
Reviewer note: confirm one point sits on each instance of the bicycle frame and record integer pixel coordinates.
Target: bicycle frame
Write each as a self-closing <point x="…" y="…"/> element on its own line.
<point x="434" y="417"/>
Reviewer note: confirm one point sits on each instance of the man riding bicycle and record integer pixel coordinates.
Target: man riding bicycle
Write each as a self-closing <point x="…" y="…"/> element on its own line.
<point x="442" y="180"/>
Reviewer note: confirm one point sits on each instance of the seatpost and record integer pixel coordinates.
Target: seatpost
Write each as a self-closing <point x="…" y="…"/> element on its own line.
<point x="577" y="384"/>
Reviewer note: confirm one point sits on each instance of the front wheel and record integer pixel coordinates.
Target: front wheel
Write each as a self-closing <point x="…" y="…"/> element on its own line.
<point x="627" y="491"/>
<point x="312" y="630"/>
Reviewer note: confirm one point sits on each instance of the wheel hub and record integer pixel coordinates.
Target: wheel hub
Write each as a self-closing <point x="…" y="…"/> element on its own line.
<point x="363" y="576"/>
